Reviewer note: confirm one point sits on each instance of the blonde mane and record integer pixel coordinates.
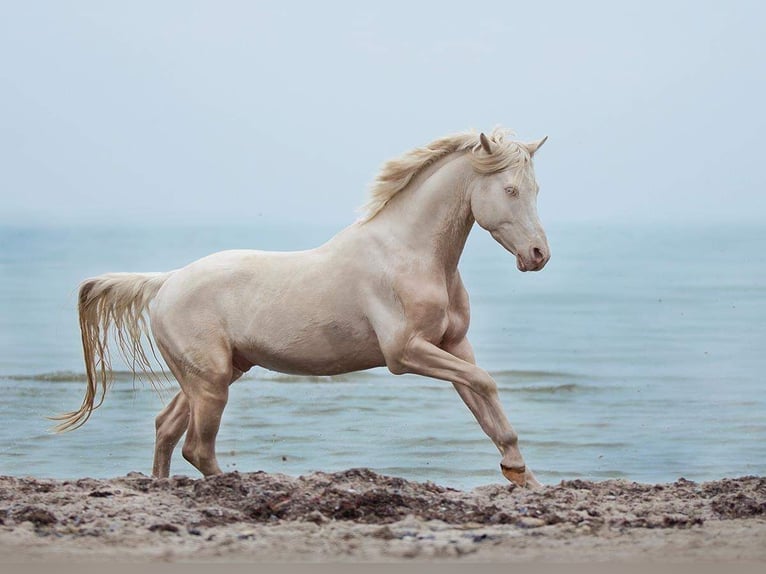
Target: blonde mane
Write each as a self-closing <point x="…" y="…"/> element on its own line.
<point x="397" y="173"/>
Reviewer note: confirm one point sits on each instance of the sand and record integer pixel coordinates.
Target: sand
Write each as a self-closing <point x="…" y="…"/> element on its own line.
<point x="361" y="516"/>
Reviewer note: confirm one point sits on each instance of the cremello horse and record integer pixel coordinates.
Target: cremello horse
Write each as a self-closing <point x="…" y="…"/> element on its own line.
<point x="385" y="291"/>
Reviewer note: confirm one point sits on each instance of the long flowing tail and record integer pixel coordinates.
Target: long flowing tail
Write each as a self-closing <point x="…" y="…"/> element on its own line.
<point x="113" y="302"/>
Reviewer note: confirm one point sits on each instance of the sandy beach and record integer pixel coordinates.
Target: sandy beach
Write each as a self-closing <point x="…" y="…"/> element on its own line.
<point x="358" y="515"/>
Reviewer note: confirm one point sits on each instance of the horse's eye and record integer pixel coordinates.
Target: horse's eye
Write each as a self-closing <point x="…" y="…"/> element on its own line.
<point x="512" y="191"/>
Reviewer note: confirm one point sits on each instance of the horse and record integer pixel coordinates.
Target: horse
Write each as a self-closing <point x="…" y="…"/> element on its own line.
<point x="384" y="292"/>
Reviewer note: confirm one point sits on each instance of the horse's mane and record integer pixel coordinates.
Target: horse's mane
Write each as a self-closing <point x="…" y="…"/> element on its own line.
<point x="397" y="173"/>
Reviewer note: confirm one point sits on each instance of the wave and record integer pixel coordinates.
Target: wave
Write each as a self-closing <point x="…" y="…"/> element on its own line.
<point x="519" y="381"/>
<point x="532" y="375"/>
<point x="574" y="443"/>
<point x="550" y="389"/>
<point x="260" y="375"/>
<point x="74" y="377"/>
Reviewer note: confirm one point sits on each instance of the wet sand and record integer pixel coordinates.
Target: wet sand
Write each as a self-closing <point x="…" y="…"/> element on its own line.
<point x="361" y="516"/>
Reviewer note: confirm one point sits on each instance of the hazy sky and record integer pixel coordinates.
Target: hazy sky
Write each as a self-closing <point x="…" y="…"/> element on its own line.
<point x="194" y="111"/>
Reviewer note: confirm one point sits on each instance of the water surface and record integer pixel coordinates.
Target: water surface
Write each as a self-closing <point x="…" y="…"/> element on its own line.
<point x="636" y="353"/>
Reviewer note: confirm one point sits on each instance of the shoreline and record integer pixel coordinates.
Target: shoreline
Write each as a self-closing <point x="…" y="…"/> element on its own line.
<point x="360" y="516"/>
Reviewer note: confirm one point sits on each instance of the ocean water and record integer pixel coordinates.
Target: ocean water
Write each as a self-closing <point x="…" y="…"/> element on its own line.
<point x="639" y="352"/>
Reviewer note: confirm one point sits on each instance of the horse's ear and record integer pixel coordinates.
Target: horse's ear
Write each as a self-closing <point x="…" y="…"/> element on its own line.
<point x="485" y="143"/>
<point x="534" y="146"/>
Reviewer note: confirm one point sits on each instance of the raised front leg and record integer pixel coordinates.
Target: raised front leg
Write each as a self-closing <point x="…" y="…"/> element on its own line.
<point x="477" y="389"/>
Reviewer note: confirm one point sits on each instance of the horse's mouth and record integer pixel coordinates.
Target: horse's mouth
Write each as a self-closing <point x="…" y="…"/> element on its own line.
<point x="524" y="265"/>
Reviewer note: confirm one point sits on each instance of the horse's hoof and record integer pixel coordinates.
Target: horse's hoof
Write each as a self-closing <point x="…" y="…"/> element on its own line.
<point x="516" y="475"/>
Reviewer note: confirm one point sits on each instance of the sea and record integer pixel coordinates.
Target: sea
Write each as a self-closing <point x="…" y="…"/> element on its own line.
<point x="639" y="353"/>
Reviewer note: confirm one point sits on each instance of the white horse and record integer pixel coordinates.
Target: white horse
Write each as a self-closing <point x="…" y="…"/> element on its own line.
<point x="385" y="291"/>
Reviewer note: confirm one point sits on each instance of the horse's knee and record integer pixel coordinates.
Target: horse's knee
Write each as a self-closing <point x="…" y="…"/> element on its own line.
<point x="404" y="355"/>
<point x="484" y="384"/>
<point x="509" y="438"/>
<point x="396" y="366"/>
<point x="397" y="360"/>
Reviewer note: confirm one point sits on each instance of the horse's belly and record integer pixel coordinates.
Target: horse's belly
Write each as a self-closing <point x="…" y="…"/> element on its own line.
<point x="326" y="349"/>
<point x="318" y="367"/>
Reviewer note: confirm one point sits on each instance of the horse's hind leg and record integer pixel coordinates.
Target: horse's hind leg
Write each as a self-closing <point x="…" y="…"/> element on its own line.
<point x="204" y="393"/>
<point x="207" y="399"/>
<point x="207" y="394"/>
<point x="171" y="424"/>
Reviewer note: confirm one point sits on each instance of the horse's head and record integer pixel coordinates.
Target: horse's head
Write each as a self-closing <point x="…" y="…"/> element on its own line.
<point x="504" y="203"/>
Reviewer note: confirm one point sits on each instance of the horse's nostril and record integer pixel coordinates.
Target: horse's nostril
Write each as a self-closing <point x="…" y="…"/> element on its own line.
<point x="537" y="255"/>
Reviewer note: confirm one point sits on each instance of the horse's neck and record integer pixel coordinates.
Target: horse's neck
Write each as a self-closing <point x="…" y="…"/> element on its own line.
<point x="432" y="215"/>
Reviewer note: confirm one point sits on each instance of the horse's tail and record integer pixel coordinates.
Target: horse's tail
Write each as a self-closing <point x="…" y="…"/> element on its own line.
<point x="118" y="302"/>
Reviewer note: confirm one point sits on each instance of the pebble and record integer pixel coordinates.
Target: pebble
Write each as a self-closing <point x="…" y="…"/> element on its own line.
<point x="530" y="522"/>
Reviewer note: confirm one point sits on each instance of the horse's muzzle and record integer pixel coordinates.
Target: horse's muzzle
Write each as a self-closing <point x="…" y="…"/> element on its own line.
<point x="534" y="261"/>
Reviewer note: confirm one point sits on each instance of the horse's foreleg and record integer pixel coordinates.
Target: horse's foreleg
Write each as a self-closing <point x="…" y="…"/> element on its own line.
<point x="171" y="424"/>
<point x="479" y="391"/>
<point x="489" y="413"/>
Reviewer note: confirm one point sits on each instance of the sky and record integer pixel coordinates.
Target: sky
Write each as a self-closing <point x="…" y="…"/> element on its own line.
<point x="211" y="112"/>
